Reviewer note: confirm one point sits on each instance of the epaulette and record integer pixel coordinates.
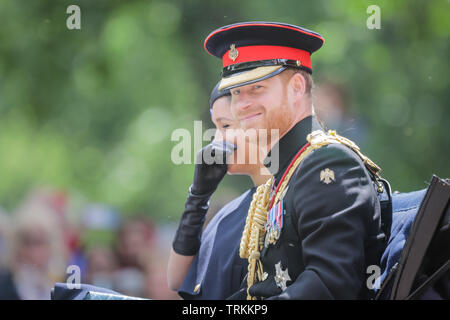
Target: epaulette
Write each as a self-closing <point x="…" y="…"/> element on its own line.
<point x="318" y="139"/>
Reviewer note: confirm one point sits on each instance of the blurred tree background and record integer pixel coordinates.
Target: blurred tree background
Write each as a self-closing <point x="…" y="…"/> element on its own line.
<point x="92" y="111"/>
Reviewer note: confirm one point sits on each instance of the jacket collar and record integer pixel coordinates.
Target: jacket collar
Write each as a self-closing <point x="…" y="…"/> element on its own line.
<point x="289" y="145"/>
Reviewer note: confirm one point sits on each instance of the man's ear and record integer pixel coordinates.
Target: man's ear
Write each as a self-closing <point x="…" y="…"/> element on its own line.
<point x="298" y="84"/>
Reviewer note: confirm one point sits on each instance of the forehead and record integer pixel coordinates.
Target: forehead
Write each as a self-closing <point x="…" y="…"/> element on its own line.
<point x="272" y="82"/>
<point x="221" y="108"/>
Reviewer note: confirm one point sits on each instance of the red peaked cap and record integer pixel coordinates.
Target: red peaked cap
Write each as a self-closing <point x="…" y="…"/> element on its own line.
<point x="247" y="45"/>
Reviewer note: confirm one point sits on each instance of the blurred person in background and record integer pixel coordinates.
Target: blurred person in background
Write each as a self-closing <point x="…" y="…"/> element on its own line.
<point x="331" y="104"/>
<point x="99" y="231"/>
<point x="136" y="236"/>
<point x="116" y="250"/>
<point x="207" y="265"/>
<point x="134" y="243"/>
<point x="97" y="257"/>
<point x="38" y="255"/>
<point x="4" y="239"/>
<point x="101" y="265"/>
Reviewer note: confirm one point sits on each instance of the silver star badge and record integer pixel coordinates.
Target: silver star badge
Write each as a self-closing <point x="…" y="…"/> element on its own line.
<point x="264" y="276"/>
<point x="281" y="276"/>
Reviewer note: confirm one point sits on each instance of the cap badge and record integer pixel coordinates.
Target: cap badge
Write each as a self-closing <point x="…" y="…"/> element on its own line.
<point x="233" y="54"/>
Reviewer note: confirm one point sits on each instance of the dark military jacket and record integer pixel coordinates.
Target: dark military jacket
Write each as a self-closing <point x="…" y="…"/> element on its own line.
<point x="217" y="270"/>
<point x="331" y="231"/>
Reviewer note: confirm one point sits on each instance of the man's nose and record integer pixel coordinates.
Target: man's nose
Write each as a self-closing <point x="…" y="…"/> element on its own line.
<point x="241" y="104"/>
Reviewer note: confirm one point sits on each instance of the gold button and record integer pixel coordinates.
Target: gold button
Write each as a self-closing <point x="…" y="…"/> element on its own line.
<point x="299" y="63"/>
<point x="197" y="288"/>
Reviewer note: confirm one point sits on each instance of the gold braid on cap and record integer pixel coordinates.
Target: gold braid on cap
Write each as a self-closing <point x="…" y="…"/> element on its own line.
<point x="252" y="240"/>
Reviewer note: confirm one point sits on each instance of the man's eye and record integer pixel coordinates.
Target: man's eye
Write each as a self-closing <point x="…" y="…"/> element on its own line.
<point x="225" y="126"/>
<point x="236" y="92"/>
<point x="257" y="86"/>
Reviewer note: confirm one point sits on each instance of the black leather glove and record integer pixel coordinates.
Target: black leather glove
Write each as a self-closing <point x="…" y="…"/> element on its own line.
<point x="210" y="169"/>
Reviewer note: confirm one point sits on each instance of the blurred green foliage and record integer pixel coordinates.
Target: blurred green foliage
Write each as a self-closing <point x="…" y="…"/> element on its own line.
<point x="91" y="111"/>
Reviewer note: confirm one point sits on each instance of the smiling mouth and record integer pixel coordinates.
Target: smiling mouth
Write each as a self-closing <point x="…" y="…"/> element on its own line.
<point x="251" y="117"/>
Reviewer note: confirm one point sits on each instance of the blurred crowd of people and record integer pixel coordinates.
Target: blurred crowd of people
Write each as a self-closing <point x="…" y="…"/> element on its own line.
<point x="42" y="238"/>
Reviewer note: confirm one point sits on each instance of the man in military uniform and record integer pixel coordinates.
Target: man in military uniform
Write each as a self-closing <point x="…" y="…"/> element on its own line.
<point x="321" y="226"/>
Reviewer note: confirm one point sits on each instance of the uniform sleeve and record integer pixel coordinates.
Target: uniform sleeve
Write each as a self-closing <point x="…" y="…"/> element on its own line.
<point x="332" y="224"/>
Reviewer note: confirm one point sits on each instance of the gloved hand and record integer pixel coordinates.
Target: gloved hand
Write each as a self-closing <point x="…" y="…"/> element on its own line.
<point x="210" y="169"/>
